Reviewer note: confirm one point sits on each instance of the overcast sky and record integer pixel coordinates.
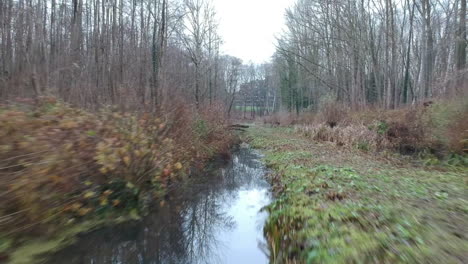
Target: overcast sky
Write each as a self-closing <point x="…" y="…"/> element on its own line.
<point x="249" y="27"/>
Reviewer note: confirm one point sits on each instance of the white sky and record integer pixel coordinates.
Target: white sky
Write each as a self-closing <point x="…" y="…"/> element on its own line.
<point x="249" y="27"/>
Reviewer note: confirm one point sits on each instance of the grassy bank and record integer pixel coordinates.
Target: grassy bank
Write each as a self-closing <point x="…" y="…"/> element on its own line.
<point x="344" y="205"/>
<point x="436" y="131"/>
<point x="65" y="170"/>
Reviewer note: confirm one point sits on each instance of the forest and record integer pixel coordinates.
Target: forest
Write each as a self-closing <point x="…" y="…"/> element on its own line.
<point x="109" y="107"/>
<point x="141" y="54"/>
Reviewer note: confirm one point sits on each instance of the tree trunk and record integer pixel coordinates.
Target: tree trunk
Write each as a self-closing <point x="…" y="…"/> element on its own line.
<point x="461" y="37"/>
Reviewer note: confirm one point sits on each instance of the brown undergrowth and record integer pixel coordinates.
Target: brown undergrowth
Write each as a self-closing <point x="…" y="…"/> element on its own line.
<point x="436" y="129"/>
<point x="61" y="165"/>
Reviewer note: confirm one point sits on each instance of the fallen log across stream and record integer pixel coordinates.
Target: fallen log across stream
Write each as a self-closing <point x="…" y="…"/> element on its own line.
<point x="238" y="127"/>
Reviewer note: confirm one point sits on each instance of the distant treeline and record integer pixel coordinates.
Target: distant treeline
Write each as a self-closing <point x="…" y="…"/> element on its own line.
<point x="385" y="53"/>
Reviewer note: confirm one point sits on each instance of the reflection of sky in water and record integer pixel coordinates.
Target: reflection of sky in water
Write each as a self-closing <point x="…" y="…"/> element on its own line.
<point x="215" y="218"/>
<point x="247" y="232"/>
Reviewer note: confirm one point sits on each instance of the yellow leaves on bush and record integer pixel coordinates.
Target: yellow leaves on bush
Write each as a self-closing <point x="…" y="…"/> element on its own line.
<point x="126" y="160"/>
<point x="89" y="194"/>
<point x="178" y="166"/>
<point x="107" y="157"/>
<point x="134" y="214"/>
<point x="115" y="202"/>
<point x="84" y="211"/>
<point x="103" y="201"/>
<point x="74" y="207"/>
<point x="101" y="147"/>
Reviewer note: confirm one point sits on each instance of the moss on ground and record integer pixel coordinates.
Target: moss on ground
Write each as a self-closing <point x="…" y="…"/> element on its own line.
<point x="344" y="206"/>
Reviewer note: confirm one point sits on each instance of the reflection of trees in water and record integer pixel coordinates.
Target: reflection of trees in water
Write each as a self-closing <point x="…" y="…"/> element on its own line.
<point x="246" y="171"/>
<point x="185" y="230"/>
<point x="204" y="220"/>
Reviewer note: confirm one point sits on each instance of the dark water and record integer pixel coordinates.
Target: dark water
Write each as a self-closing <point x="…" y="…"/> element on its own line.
<point x="214" y="218"/>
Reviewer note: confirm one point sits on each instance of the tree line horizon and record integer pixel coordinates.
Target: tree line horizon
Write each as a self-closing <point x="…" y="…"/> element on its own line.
<point x="147" y="54"/>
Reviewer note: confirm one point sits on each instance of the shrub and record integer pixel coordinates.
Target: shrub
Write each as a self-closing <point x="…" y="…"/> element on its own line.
<point x="59" y="163"/>
<point x="53" y="156"/>
<point x="440" y="127"/>
<point x="201" y="128"/>
<point x="281" y="118"/>
<point x="382" y="128"/>
<point x="332" y="113"/>
<point x="350" y="136"/>
<point x="448" y="124"/>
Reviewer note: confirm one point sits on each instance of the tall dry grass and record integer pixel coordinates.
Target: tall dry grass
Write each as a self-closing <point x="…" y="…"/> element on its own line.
<point x="439" y="127"/>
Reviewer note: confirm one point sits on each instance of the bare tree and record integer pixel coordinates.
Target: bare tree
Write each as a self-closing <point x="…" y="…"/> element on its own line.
<point x="351" y="51"/>
<point x="232" y="76"/>
<point x="196" y="35"/>
<point x="461" y="37"/>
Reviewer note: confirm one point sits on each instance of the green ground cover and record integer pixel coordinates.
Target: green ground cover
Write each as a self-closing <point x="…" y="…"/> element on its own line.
<point x="348" y="206"/>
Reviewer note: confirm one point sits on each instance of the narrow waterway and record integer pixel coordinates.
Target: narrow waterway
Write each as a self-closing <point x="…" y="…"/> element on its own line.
<point x="214" y="218"/>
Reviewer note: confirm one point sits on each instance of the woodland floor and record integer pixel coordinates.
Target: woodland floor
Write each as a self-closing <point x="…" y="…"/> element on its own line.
<point x="347" y="206"/>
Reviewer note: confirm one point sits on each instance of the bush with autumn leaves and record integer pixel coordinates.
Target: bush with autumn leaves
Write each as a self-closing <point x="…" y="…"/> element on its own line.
<point x="60" y="164"/>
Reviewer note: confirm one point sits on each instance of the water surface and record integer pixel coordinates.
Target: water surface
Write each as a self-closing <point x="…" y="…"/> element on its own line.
<point x="213" y="218"/>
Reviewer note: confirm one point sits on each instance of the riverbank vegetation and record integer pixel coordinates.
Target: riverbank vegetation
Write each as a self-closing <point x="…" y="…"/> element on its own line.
<point x="341" y="205"/>
<point x="64" y="167"/>
<point x="436" y="131"/>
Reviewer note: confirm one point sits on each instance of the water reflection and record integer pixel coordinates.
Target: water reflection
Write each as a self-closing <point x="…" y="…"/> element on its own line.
<point x="215" y="218"/>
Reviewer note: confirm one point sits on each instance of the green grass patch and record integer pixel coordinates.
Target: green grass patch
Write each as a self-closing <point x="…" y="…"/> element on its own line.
<point x="337" y="206"/>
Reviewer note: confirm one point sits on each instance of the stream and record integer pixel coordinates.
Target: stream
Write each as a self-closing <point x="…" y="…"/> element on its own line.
<point x="215" y="217"/>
